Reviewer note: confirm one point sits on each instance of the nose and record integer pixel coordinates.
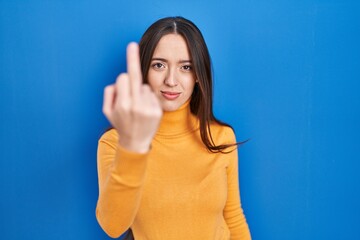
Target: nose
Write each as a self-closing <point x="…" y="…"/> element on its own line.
<point x="170" y="78"/>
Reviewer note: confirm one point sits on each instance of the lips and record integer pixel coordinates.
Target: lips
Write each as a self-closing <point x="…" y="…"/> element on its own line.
<point x="170" y="95"/>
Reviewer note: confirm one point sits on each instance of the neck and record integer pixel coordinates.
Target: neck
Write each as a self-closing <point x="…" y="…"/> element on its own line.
<point x="178" y="122"/>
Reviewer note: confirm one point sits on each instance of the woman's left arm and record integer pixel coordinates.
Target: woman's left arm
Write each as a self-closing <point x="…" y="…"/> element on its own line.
<point x="233" y="211"/>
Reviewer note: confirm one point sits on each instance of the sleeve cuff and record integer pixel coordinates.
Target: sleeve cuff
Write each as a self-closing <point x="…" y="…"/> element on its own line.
<point x="130" y="166"/>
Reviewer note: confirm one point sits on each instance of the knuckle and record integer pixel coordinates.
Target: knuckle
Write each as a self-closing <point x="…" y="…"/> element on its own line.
<point x="121" y="77"/>
<point x="158" y="112"/>
<point x="146" y="87"/>
<point x="124" y="106"/>
<point x="108" y="88"/>
<point x="137" y="109"/>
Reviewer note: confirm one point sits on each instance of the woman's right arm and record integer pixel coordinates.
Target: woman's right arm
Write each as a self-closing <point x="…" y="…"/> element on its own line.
<point x="135" y="113"/>
<point x="121" y="174"/>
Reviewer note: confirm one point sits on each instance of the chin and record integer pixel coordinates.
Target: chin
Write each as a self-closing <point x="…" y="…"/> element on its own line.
<point x="170" y="107"/>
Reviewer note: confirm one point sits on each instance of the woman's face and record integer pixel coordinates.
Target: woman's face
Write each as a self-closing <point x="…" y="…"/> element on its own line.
<point x="171" y="75"/>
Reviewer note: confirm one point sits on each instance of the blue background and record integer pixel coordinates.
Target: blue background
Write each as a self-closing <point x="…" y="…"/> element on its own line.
<point x="287" y="76"/>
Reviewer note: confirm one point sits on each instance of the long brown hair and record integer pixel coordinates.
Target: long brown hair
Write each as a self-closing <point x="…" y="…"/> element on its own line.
<point x="201" y="103"/>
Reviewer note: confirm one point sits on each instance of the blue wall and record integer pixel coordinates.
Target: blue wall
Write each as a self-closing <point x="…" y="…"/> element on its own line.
<point x="286" y="75"/>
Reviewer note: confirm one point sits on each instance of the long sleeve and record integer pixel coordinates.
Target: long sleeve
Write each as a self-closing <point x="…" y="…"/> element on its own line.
<point x="233" y="211"/>
<point x="179" y="187"/>
<point x="121" y="175"/>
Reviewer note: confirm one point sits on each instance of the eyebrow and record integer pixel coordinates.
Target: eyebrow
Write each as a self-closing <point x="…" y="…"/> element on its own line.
<point x="164" y="60"/>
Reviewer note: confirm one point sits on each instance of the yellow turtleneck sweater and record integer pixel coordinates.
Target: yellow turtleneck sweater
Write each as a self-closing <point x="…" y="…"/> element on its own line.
<point x="178" y="190"/>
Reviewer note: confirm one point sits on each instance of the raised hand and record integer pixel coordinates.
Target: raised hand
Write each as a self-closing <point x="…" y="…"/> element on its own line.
<point x="131" y="106"/>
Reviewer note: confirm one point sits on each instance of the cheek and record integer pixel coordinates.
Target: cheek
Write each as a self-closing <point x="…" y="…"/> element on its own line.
<point x="189" y="85"/>
<point x="153" y="79"/>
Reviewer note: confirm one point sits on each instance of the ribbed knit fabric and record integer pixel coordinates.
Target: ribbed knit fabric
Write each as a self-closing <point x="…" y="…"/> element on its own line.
<point x="176" y="191"/>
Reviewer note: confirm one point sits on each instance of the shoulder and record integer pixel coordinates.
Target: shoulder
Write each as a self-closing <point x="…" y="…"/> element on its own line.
<point x="110" y="137"/>
<point x="222" y="134"/>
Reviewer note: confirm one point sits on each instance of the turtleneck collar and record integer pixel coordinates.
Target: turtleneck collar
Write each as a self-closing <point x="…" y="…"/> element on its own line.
<point x="178" y="122"/>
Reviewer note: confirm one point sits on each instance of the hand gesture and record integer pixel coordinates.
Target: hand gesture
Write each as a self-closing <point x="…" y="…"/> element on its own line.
<point x="131" y="106"/>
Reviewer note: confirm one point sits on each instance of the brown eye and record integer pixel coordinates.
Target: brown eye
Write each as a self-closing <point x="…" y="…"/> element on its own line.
<point x="187" y="67"/>
<point x="158" y="65"/>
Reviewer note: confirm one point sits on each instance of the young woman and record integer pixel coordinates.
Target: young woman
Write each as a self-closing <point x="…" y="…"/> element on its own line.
<point x="168" y="169"/>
